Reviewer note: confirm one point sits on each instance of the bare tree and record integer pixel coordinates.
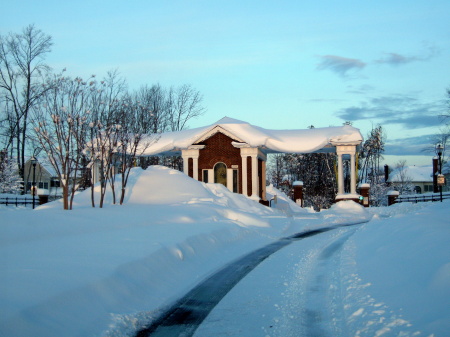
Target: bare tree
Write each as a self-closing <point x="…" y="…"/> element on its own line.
<point x="60" y="126"/>
<point x="275" y="169"/>
<point x="103" y="151"/>
<point x="183" y="104"/>
<point x="135" y="134"/>
<point x="403" y="181"/>
<point x="21" y="70"/>
<point x="105" y="102"/>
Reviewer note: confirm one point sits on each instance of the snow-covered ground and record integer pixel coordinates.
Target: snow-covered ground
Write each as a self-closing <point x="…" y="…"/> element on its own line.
<point x="101" y="272"/>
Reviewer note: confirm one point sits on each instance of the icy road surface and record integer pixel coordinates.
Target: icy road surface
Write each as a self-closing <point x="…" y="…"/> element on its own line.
<point x="312" y="302"/>
<point x="319" y="291"/>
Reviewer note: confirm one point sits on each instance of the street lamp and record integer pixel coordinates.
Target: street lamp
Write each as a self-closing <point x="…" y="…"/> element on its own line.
<point x="33" y="161"/>
<point x="439" y="149"/>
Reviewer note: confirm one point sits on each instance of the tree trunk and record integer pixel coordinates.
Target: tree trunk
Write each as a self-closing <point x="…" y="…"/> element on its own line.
<point x="66" y="196"/>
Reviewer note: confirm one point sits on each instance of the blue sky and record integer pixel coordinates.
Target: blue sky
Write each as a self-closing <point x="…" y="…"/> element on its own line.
<point x="275" y="64"/>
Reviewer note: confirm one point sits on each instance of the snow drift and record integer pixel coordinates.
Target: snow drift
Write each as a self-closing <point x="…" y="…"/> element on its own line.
<point x="92" y="272"/>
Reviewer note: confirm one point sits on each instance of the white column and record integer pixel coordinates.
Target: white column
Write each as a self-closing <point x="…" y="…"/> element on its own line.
<point x="195" y="167"/>
<point x="194" y="153"/>
<point x="244" y="174"/>
<point x="230" y="179"/>
<point x="255" y="176"/>
<point x="185" y="165"/>
<point x="352" y="174"/>
<point x="340" y="174"/>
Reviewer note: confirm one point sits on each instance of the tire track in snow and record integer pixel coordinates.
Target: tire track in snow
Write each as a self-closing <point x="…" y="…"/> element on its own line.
<point x="323" y="310"/>
<point x="185" y="315"/>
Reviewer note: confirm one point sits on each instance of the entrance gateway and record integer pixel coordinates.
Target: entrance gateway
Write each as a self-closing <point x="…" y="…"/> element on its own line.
<point x="234" y="153"/>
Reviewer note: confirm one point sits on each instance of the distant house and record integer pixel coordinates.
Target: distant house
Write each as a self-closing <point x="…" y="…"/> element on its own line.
<point x="418" y="179"/>
<point x="234" y="153"/>
<point x="47" y="181"/>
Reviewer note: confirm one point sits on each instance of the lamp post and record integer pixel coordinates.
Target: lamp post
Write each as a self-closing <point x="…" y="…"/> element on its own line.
<point x="33" y="161"/>
<point x="439" y="149"/>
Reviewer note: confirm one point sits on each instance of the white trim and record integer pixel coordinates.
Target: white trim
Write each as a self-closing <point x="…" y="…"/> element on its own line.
<point x="244" y="174"/>
<point x="195" y="167"/>
<point x="193" y="153"/>
<point x="213" y="131"/>
<point x="230" y="179"/>
<point x="341" y="150"/>
<point x="255" y="178"/>
<point x="196" y="147"/>
<point x="240" y="145"/>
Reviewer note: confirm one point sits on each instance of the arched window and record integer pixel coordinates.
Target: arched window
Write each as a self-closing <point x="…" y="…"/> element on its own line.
<point x="220" y="174"/>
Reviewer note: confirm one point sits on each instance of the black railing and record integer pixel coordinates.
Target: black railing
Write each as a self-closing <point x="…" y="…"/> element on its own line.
<point x="422" y="198"/>
<point x="17" y="201"/>
<point x="21" y="201"/>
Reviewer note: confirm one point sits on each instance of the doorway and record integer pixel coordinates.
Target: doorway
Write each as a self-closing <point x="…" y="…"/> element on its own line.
<point x="220" y="174"/>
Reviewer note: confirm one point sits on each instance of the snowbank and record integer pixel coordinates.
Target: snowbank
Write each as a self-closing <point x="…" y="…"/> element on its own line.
<point x="404" y="263"/>
<point x="64" y="273"/>
<point x="92" y="272"/>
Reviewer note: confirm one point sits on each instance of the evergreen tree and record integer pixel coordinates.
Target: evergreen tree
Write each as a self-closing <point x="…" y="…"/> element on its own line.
<point x="10" y="180"/>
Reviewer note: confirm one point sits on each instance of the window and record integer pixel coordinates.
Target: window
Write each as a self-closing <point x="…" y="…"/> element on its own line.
<point x="42" y="184"/>
<point x="235" y="181"/>
<point x="205" y="176"/>
<point x="55" y="183"/>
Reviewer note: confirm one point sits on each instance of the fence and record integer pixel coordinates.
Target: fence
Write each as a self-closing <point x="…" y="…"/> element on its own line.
<point x="18" y="201"/>
<point x="422" y="198"/>
<point x="22" y="201"/>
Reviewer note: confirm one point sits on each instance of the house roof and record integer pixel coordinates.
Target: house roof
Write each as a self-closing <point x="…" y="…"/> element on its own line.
<point x="270" y="141"/>
<point x="413" y="174"/>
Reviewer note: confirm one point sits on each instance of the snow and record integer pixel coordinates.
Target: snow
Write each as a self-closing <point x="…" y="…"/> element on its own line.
<point x="285" y="141"/>
<point x="103" y="272"/>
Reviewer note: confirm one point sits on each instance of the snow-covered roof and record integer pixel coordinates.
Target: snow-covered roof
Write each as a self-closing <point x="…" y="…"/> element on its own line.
<point x="413" y="174"/>
<point x="45" y="164"/>
<point x="270" y="141"/>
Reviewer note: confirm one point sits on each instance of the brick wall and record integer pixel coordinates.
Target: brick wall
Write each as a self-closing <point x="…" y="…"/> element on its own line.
<point x="219" y="149"/>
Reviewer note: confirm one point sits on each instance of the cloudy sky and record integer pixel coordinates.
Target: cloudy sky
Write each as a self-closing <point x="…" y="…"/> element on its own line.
<point x="276" y="64"/>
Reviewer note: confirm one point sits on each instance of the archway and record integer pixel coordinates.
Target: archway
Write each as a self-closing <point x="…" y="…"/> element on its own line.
<point x="220" y="174"/>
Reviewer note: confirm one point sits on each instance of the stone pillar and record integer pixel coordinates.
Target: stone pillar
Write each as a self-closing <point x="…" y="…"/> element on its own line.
<point x="298" y="193"/>
<point x="392" y="197"/>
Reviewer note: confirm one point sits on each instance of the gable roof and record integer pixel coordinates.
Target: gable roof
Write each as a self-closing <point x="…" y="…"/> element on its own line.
<point x="270" y="141"/>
